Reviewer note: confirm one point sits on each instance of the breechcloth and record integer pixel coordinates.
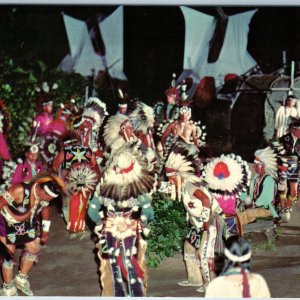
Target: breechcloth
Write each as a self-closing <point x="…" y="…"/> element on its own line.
<point x="122" y="261"/>
<point x="233" y="225"/>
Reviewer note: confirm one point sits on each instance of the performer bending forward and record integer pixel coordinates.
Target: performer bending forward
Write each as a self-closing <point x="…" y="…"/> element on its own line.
<point x="199" y="243"/>
<point x="22" y="207"/>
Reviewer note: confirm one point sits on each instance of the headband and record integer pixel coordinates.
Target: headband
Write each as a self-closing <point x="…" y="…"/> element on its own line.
<point x="235" y="258"/>
<point x="171" y="172"/>
<point x="122" y="105"/>
<point x="49" y="192"/>
<point x="296" y="126"/>
<point x="70" y="141"/>
<point x="258" y="162"/>
<point x="48" y="102"/>
<point x="84" y="118"/>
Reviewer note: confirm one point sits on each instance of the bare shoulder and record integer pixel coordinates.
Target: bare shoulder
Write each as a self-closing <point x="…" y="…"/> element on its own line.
<point x="17" y="191"/>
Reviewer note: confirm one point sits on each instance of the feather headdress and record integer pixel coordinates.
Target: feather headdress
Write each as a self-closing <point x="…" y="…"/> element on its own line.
<point x="94" y="112"/>
<point x="111" y="135"/>
<point x="142" y="117"/>
<point x="181" y="162"/>
<point x="227" y="174"/>
<point x="268" y="157"/>
<point x="126" y="176"/>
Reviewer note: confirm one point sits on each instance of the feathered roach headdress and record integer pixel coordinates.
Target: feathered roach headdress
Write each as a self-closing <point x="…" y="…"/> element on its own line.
<point x="32" y="145"/>
<point x="142" y="117"/>
<point x="181" y="163"/>
<point x="123" y="100"/>
<point x="227" y="174"/>
<point x="33" y="142"/>
<point x="184" y="97"/>
<point x="94" y="112"/>
<point x="126" y="176"/>
<point x="112" y="137"/>
<point x="4" y="118"/>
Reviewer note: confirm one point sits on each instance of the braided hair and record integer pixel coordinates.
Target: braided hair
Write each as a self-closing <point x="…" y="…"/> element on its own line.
<point x="238" y="255"/>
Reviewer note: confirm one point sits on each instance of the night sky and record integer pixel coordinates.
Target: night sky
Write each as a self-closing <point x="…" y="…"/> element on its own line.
<point x="153" y="37"/>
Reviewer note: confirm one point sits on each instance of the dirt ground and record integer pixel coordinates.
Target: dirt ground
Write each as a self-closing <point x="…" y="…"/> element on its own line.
<point x="69" y="267"/>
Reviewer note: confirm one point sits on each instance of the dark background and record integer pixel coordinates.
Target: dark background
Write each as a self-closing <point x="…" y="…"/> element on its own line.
<point x="153" y="38"/>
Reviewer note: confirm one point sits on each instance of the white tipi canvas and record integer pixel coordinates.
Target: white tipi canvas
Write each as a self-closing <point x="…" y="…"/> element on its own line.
<point x="233" y="58"/>
<point x="83" y="59"/>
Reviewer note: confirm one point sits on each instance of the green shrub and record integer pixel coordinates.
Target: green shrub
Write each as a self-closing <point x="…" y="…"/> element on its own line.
<point x="167" y="230"/>
<point x="17" y="90"/>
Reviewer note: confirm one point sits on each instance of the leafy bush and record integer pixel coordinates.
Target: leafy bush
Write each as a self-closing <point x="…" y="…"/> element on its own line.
<point x="17" y="90"/>
<point x="167" y="230"/>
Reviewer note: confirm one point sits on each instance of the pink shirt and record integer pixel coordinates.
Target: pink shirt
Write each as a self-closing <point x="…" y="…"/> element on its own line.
<point x="44" y="119"/>
<point x="4" y="151"/>
<point x="24" y="172"/>
<point x="227" y="203"/>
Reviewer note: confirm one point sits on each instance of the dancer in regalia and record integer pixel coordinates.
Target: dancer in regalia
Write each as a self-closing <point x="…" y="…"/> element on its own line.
<point x="201" y="209"/>
<point x="22" y="207"/>
<point x="124" y="201"/>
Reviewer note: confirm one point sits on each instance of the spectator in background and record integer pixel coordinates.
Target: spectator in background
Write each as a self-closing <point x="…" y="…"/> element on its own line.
<point x="44" y="117"/>
<point x="30" y="166"/>
<point x="284" y="114"/>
